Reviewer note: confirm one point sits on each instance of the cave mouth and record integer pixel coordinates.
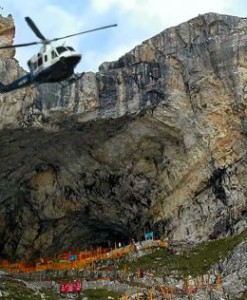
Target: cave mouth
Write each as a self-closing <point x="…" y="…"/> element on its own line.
<point x="110" y="236"/>
<point x="92" y="238"/>
<point x="47" y="207"/>
<point x="112" y="240"/>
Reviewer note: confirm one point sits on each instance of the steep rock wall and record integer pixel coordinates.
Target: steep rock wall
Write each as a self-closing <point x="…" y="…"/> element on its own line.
<point x="153" y="141"/>
<point x="16" y="108"/>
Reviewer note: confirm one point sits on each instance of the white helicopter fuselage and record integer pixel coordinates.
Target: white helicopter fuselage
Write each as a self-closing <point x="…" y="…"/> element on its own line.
<point x="54" y="63"/>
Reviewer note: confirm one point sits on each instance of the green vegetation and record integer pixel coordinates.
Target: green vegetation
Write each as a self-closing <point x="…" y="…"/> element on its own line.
<point x="12" y="289"/>
<point x="197" y="261"/>
<point x="18" y="290"/>
<point x="186" y="261"/>
<point x="100" y="294"/>
<point x="49" y="294"/>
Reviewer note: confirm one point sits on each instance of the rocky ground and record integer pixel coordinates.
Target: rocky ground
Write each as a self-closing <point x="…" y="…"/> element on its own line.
<point x="213" y="270"/>
<point x="14" y="288"/>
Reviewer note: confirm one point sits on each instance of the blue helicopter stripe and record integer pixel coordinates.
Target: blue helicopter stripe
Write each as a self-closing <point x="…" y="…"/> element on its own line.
<point x="18" y="83"/>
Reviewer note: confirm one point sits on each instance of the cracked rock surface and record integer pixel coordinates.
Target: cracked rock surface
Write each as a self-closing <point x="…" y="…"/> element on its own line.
<point x="153" y="141"/>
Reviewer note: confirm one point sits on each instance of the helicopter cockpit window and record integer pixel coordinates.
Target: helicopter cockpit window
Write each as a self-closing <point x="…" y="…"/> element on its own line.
<point x="71" y="49"/>
<point x="61" y="49"/>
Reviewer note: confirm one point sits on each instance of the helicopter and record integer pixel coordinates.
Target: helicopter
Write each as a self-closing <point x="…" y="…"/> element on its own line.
<point x="51" y="64"/>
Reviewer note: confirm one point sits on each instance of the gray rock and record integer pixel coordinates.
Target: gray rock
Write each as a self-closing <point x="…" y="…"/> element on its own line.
<point x="154" y="141"/>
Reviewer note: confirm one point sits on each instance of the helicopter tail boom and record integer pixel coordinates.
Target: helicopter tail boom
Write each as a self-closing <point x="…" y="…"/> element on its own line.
<point x="2" y="88"/>
<point x="17" y="84"/>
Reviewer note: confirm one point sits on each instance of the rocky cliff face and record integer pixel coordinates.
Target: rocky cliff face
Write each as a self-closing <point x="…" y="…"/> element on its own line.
<point x="153" y="141"/>
<point x="14" y="107"/>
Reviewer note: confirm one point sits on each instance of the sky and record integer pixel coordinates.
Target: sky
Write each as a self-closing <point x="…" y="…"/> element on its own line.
<point x="138" y="20"/>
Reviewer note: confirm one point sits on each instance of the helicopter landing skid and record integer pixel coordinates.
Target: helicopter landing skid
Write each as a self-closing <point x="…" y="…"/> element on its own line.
<point x="71" y="80"/>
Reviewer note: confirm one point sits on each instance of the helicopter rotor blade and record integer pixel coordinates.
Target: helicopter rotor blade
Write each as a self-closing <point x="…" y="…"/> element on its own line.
<point x="83" y="32"/>
<point x="20" y="45"/>
<point x="44" y="40"/>
<point x="34" y="28"/>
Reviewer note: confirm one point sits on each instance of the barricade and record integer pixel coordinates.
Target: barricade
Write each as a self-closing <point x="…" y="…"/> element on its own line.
<point x="75" y="259"/>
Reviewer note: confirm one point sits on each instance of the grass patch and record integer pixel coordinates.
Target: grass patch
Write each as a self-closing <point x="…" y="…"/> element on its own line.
<point x="49" y="294"/>
<point x="197" y="261"/>
<point x="100" y="294"/>
<point x="17" y="290"/>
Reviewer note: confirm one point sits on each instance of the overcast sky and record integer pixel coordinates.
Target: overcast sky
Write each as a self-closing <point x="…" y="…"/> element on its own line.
<point x="137" y="21"/>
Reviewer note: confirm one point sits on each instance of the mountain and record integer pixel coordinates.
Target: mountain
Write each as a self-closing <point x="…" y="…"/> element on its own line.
<point x="155" y="141"/>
